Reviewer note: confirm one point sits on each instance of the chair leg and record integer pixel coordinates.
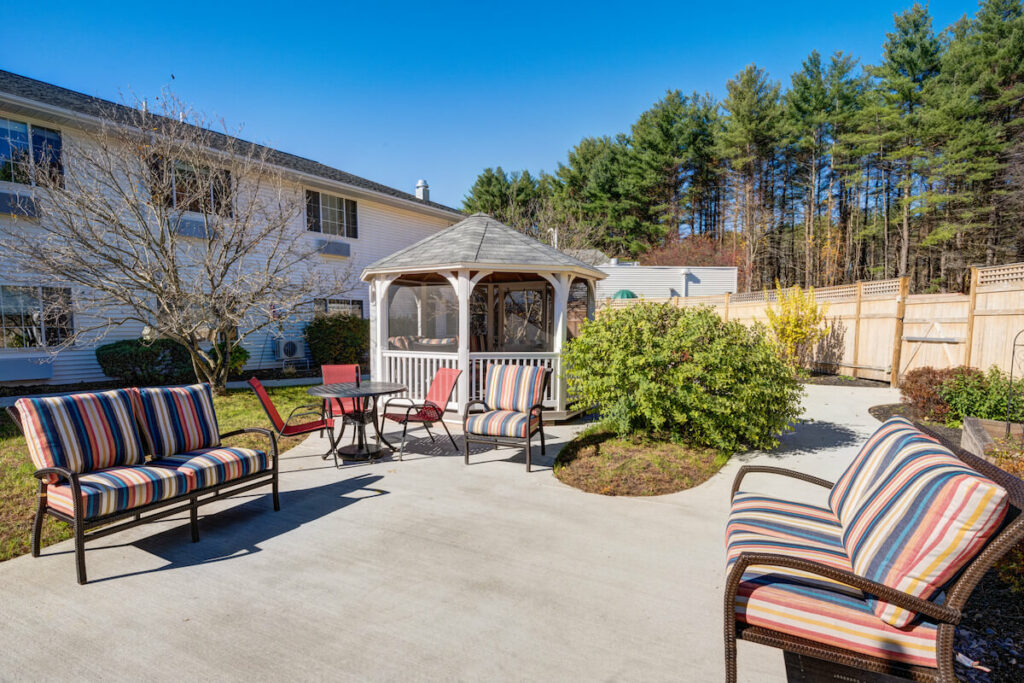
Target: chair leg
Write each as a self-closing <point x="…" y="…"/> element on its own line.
<point x="401" y="449"/>
<point x="426" y="425"/>
<point x="528" y="451"/>
<point x="37" y="525"/>
<point x="465" y="443"/>
<point x="454" y="445"/>
<point x="193" y="519"/>
<point x="540" y="428"/>
<point x="80" y="552"/>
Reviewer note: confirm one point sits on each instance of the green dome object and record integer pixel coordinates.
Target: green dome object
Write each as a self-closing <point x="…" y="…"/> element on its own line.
<point x="624" y="294"/>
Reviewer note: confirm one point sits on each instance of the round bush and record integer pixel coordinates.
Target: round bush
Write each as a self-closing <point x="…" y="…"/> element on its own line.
<point x="338" y="338"/>
<point x="146" y="363"/>
<point x="655" y="368"/>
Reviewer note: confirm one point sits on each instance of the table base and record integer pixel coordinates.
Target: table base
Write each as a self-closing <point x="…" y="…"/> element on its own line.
<point x="356" y="453"/>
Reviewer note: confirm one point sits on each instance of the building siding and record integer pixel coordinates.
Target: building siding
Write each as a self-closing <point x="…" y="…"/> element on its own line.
<point x="666" y="281"/>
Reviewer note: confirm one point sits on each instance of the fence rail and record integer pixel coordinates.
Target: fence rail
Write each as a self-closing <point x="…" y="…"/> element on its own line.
<point x="878" y="331"/>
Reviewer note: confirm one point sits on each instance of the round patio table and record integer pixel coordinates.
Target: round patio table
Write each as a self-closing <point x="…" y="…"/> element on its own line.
<point x="366" y="393"/>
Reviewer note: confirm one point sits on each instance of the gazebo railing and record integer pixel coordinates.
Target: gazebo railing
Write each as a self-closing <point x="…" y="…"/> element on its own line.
<point x="415" y="369"/>
<point x="478" y="363"/>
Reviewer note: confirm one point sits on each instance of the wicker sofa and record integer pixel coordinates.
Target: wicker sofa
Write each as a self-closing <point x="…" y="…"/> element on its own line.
<point x="108" y="461"/>
<point x="877" y="578"/>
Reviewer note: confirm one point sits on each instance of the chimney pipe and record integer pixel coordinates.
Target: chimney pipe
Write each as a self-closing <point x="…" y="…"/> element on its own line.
<point x="422" y="190"/>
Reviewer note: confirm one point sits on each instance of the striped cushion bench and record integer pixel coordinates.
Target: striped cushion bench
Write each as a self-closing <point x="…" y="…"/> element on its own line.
<point x="907" y="514"/>
<point x="98" y="443"/>
<point x="501" y="423"/>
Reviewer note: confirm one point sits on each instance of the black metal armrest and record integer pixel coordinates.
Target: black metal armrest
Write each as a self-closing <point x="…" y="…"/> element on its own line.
<point x="255" y="430"/>
<point x="907" y="601"/>
<point x="465" y="412"/>
<point x="318" y="412"/>
<point x="43" y="472"/>
<point x="394" y="399"/>
<point x="768" y="469"/>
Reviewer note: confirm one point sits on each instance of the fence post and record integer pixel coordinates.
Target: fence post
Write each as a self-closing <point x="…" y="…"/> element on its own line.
<point x="970" y="316"/>
<point x="856" y="329"/>
<point x="897" y="344"/>
<point x="726" y="316"/>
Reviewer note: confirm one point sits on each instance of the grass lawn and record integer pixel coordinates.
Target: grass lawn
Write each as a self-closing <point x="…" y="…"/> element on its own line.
<point x="18" y="488"/>
<point x="597" y="461"/>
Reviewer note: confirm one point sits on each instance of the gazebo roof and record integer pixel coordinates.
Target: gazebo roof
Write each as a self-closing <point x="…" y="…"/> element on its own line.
<point x="479" y="242"/>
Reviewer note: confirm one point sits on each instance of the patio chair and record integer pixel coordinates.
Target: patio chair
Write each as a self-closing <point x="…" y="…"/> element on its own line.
<point x="286" y="428"/>
<point x="350" y="410"/>
<point x="428" y="412"/>
<point x="513" y="411"/>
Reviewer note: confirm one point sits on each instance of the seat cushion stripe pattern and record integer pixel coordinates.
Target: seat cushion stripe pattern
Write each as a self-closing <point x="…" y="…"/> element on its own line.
<point x="924" y="516"/>
<point x="213" y="466"/>
<point x="178" y="419"/>
<point x="118" y="488"/>
<point x="514" y="387"/>
<point x="81" y="432"/>
<point x="804" y="604"/>
<point x="506" y="423"/>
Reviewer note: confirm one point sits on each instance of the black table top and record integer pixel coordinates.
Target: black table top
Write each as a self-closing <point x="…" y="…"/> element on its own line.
<point x="353" y="390"/>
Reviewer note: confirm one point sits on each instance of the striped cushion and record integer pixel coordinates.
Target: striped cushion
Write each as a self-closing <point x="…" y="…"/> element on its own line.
<point x="923" y="515"/>
<point x="802" y="604"/>
<point x="119" y="488"/>
<point x="212" y="466"/>
<point x="178" y="419"/>
<point x="500" y="423"/>
<point x="81" y="432"/>
<point x="514" y="387"/>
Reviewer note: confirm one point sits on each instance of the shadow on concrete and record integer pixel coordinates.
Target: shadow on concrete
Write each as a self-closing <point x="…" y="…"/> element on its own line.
<point x="239" y="530"/>
<point x="810" y="437"/>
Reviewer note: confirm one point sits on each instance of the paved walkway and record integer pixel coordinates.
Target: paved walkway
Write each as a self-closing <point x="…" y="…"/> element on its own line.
<point x="415" y="570"/>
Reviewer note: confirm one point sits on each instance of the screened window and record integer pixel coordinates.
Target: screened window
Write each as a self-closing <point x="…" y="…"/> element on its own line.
<point x="26" y="149"/>
<point x="185" y="187"/>
<point x="34" y="317"/>
<point x="331" y="215"/>
<point x="352" y="307"/>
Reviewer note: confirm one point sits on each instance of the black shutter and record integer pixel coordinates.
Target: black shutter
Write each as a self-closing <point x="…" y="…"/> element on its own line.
<point x="312" y="210"/>
<point x="351" y="219"/>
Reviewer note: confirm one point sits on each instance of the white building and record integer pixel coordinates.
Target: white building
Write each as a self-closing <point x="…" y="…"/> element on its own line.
<point x="359" y="222"/>
<point x="656" y="282"/>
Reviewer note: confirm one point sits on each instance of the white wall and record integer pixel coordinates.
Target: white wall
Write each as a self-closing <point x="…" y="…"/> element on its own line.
<point x="383" y="229"/>
<point x="666" y="281"/>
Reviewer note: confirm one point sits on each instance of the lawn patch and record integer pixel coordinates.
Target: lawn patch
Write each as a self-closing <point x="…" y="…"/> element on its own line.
<point x="597" y="461"/>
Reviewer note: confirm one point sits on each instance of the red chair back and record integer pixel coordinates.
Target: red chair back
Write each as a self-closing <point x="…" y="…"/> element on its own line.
<point x="442" y="387"/>
<point x="268" y="405"/>
<point x="341" y="374"/>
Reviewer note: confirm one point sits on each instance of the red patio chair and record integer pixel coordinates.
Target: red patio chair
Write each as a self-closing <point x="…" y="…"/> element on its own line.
<point x="285" y="428"/>
<point x="349" y="409"/>
<point x="431" y="410"/>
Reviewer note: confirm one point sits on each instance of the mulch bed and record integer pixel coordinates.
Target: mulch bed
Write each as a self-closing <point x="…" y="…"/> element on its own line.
<point x="992" y="629"/>
<point x="842" y="381"/>
<point x="598" y="462"/>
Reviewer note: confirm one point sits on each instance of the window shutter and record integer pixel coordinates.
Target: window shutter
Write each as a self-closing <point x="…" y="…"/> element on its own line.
<point x="312" y="210"/>
<point x="351" y="219"/>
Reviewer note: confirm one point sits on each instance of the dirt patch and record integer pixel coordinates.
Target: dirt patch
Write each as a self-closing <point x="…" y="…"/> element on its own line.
<point x="950" y="435"/>
<point x="843" y="381"/>
<point x="597" y="461"/>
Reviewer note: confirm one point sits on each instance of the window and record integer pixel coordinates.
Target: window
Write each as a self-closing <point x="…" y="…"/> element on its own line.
<point x="34" y="317"/>
<point x="25" y="149"/>
<point x="186" y="187"/>
<point x="334" y="306"/>
<point x="331" y="215"/>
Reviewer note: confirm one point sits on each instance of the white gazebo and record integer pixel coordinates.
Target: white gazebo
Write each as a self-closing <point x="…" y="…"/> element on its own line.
<point x="473" y="294"/>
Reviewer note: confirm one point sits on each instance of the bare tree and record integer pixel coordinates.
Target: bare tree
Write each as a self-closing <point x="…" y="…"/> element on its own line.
<point x="158" y="219"/>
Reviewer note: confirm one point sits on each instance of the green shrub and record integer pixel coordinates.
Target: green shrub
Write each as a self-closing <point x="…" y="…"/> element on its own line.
<point x="983" y="395"/>
<point x="919" y="389"/>
<point x="338" y="338"/>
<point x="797" y="322"/>
<point x="138" y="362"/>
<point x="658" y="369"/>
<point x="239" y="357"/>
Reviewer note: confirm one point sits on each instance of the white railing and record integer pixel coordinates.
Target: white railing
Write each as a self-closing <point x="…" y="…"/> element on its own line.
<point x="478" y="363"/>
<point x="415" y="369"/>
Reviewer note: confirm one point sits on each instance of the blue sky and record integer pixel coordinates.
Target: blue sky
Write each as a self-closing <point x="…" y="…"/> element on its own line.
<point x="396" y="91"/>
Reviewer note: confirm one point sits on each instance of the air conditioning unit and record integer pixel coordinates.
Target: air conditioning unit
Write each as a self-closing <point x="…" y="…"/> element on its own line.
<point x="288" y="349"/>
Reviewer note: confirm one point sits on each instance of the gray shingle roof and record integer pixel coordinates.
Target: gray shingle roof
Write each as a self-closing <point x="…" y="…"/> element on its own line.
<point x="87" y="105"/>
<point x="478" y="240"/>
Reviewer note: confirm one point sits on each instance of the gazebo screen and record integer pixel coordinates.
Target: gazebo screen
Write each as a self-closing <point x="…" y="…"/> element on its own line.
<point x="423" y="317"/>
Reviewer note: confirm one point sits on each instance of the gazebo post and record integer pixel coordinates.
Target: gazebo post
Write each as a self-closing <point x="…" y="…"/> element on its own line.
<point x="380" y="327"/>
<point x="560" y="329"/>
<point x="463" y="292"/>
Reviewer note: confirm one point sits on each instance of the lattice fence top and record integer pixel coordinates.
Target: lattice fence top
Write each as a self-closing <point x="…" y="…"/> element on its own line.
<point x="993" y="275"/>
<point x="881" y="288"/>
<point x="754" y="297"/>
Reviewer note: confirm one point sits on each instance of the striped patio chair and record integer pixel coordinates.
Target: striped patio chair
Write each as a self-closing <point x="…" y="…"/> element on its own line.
<point x="877" y="578"/>
<point x="513" y="409"/>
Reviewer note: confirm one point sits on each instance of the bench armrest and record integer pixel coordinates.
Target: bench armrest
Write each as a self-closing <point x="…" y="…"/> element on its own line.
<point x="256" y="430"/>
<point x="768" y="469"/>
<point x="907" y="601"/>
<point x="465" y="413"/>
<point x="44" y="472"/>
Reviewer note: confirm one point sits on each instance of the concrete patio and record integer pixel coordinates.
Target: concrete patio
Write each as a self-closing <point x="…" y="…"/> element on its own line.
<point x="416" y="570"/>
